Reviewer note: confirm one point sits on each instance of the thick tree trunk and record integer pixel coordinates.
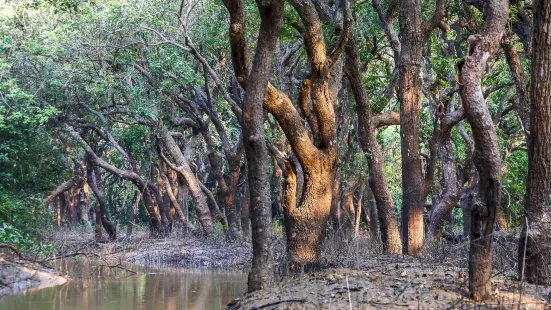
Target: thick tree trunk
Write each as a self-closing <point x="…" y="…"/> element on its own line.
<point x="367" y="135"/>
<point x="410" y="96"/>
<point x="271" y="15"/>
<point x="535" y="241"/>
<point x="486" y="155"/>
<point x="307" y="221"/>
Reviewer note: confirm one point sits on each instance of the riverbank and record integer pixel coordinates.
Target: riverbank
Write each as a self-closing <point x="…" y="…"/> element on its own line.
<point x="185" y="251"/>
<point x="17" y="275"/>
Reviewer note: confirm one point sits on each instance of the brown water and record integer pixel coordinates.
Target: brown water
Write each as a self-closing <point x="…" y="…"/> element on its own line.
<point x="96" y="287"/>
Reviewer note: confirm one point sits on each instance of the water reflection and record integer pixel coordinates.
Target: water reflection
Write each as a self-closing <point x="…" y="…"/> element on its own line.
<point x="97" y="287"/>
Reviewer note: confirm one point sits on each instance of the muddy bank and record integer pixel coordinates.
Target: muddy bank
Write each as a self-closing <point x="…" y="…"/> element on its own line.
<point x="20" y="275"/>
<point x="389" y="283"/>
<point x="185" y="251"/>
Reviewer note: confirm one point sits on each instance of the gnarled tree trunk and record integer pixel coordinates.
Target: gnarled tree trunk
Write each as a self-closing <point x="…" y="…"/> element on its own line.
<point x="486" y="154"/>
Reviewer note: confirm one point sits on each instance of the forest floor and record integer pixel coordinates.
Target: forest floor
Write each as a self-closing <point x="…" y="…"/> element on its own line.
<point x="355" y="275"/>
<point x="387" y="282"/>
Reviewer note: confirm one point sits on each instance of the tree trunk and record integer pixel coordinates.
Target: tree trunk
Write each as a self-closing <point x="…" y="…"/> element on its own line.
<point x="367" y="135"/>
<point x="176" y="205"/>
<point x="372" y="216"/>
<point x="163" y="205"/>
<point x="271" y="15"/>
<point x="450" y="196"/>
<point x="245" y="213"/>
<point x="535" y="241"/>
<point x="410" y="96"/>
<point x="199" y="198"/>
<point x="307" y="221"/>
<point x="359" y="207"/>
<point x="486" y="155"/>
<point x="94" y="177"/>
<point x="132" y="216"/>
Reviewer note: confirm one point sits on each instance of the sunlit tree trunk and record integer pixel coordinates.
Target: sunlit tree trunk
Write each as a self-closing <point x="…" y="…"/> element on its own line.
<point x="410" y="96"/>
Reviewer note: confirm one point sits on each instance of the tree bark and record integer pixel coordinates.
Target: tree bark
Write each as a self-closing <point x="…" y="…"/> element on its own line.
<point x="535" y="239"/>
<point x="367" y="136"/>
<point x="410" y="96"/>
<point x="305" y="223"/>
<point x="254" y="139"/>
<point x="486" y="155"/>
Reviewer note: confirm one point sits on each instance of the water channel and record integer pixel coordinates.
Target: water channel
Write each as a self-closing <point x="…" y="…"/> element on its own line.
<point x="95" y="287"/>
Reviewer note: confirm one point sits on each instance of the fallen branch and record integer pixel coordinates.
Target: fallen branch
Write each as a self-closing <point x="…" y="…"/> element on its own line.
<point x="280" y="302"/>
<point x="12" y="248"/>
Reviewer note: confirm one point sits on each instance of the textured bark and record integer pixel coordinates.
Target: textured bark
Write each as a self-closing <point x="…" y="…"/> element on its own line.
<point x="486" y="155"/>
<point x="534" y="267"/>
<point x="305" y="222"/>
<point x="442" y="141"/>
<point x="367" y="135"/>
<point x="271" y="15"/>
<point x="449" y="199"/>
<point x="410" y="95"/>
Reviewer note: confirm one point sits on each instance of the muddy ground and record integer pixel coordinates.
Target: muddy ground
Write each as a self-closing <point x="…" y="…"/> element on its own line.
<point x="387" y="282"/>
<point x="185" y="251"/>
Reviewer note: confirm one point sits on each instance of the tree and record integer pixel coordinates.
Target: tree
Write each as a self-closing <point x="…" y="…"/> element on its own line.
<point x="305" y="222"/>
<point x="534" y="244"/>
<point x="414" y="32"/>
<point x="254" y="139"/>
<point x="486" y="153"/>
<point x="390" y="234"/>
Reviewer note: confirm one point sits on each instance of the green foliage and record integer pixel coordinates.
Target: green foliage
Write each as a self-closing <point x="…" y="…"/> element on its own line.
<point x="29" y="214"/>
<point x="23" y="241"/>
